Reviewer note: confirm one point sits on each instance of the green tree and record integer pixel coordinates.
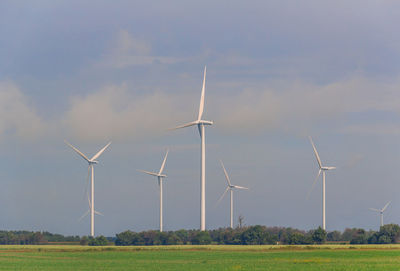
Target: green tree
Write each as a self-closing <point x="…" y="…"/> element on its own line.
<point x="359" y="237"/>
<point x="384" y="239"/>
<point x="257" y="235"/>
<point x="319" y="236"/>
<point x="334" y="236"/>
<point x="98" y="241"/>
<point x="124" y="238"/>
<point x="172" y="239"/>
<point x="84" y="241"/>
<point x="201" y="238"/>
<point x="348" y="234"/>
<point x="391" y="231"/>
<point x="295" y="238"/>
<point x="183" y="236"/>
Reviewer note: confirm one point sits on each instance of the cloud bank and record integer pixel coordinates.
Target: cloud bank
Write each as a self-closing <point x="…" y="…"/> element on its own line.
<point x="119" y="112"/>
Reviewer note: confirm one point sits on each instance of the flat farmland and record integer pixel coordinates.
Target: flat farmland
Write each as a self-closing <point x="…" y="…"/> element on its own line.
<point x="325" y="257"/>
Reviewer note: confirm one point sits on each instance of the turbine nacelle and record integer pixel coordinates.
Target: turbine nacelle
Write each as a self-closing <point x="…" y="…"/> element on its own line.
<point x="93" y="159"/>
<point x="229" y="186"/>
<point x="205" y="122"/>
<point x="327" y="168"/>
<point x="381" y="211"/>
<point x="237" y="187"/>
<point x="160" y="173"/>
<point x="193" y="123"/>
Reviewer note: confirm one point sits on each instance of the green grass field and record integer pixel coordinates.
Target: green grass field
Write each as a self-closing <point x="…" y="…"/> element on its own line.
<point x="326" y="257"/>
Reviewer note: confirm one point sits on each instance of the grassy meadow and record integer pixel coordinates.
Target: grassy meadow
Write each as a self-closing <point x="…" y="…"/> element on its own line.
<point x="324" y="257"/>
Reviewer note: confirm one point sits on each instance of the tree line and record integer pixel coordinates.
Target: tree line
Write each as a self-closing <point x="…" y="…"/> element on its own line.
<point x="33" y="238"/>
<point x="252" y="235"/>
<point x="259" y="235"/>
<point x="248" y="235"/>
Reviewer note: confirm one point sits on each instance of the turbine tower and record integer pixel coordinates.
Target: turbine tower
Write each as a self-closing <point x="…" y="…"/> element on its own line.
<point x="160" y="177"/>
<point x="381" y="211"/>
<point x="229" y="187"/>
<point x="91" y="163"/>
<point x="323" y="170"/>
<point x="200" y="125"/>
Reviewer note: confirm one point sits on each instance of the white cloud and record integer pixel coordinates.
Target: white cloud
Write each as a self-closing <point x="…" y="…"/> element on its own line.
<point x="114" y="113"/>
<point x="372" y="129"/>
<point x="296" y="107"/>
<point x="17" y="116"/>
<point x="131" y="51"/>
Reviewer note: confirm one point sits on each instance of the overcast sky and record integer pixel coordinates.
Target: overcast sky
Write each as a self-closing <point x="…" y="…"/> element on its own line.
<point x="126" y="71"/>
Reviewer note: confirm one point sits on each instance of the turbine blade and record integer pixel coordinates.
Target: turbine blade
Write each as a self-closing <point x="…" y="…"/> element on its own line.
<point x="226" y="174"/>
<point x="163" y="163"/>
<point x="312" y="187"/>
<point x="185" y="125"/>
<point x="240" y="187"/>
<point x="77" y="151"/>
<point x="100" y="152"/>
<point x="315" y="152"/>
<point x="384" y="208"/>
<point x="375" y="210"/>
<point x="201" y="107"/>
<point x="98" y="213"/>
<point x="148" y="172"/>
<point x="226" y="190"/>
<point x="85" y="214"/>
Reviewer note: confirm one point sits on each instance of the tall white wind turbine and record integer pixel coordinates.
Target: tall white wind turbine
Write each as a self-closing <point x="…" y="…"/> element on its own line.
<point x="323" y="170"/>
<point x="91" y="163"/>
<point x="381" y="211"/>
<point x="200" y="125"/>
<point x="160" y="176"/>
<point x="229" y="187"/>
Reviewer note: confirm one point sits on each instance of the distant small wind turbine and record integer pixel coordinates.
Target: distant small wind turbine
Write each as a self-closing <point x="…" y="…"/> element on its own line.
<point x="160" y="177"/>
<point x="91" y="162"/>
<point x="200" y="125"/>
<point x="381" y="211"/>
<point x="229" y="187"/>
<point x="323" y="170"/>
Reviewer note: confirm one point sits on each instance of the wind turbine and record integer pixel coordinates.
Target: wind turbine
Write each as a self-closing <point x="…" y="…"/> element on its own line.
<point x="230" y="187"/>
<point x="381" y="211"/>
<point x="200" y="125"/>
<point x="160" y="177"/>
<point x="91" y="163"/>
<point x="323" y="170"/>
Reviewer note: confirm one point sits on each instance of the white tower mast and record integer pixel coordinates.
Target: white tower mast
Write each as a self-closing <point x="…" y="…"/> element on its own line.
<point x="91" y="163"/>
<point x="200" y="124"/>
<point x="160" y="176"/>
<point x="323" y="170"/>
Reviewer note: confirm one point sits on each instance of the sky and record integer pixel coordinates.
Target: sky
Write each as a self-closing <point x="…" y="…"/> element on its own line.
<point x="91" y="72"/>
